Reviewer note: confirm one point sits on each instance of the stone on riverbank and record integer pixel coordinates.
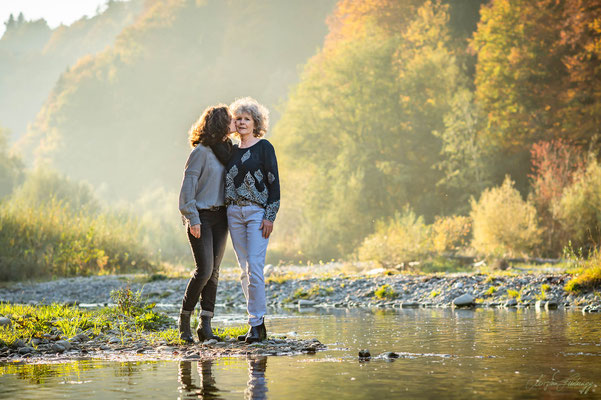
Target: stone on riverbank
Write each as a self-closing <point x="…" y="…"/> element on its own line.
<point x="5" y="321"/>
<point x="511" y="303"/>
<point x="465" y="300"/>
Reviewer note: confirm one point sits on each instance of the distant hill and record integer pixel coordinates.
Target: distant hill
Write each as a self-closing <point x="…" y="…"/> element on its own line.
<point x="33" y="56"/>
<point x="119" y="118"/>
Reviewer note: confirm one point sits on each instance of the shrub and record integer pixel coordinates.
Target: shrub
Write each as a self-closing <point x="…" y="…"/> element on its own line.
<point x="554" y="166"/>
<point x="450" y="233"/>
<point x="579" y="209"/>
<point x="589" y="278"/>
<point x="51" y="240"/>
<point x="44" y="186"/>
<point x="385" y="292"/>
<point x="404" y="238"/>
<point x="504" y="224"/>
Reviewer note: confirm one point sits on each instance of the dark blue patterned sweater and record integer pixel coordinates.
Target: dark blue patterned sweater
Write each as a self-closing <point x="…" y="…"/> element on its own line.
<point x="252" y="176"/>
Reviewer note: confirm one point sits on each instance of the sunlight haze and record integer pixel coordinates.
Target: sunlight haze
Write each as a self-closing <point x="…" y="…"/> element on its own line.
<point x="55" y="12"/>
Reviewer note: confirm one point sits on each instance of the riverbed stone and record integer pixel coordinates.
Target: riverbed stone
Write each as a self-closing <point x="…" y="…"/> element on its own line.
<point x="364" y="353"/>
<point x="56" y="348"/>
<point x="5" y="321"/>
<point x="306" y="303"/>
<point x="464" y="300"/>
<point x="64" y="343"/>
<point x="114" y="340"/>
<point x="26" y="350"/>
<point x="511" y="303"/>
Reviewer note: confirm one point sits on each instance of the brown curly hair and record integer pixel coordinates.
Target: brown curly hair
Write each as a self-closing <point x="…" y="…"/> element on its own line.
<point x="212" y="126"/>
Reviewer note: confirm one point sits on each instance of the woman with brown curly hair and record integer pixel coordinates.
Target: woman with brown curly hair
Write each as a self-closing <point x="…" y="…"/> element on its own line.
<point x="202" y="205"/>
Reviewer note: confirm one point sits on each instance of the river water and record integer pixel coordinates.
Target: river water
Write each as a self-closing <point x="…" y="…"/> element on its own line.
<point x="444" y="353"/>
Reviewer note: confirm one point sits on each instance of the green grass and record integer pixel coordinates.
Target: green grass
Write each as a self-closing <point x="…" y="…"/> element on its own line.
<point x="385" y="292"/>
<point x="232" y="332"/>
<point x="138" y="320"/>
<point x="588" y="279"/>
<point x="513" y="294"/>
<point x="491" y="290"/>
<point x="314" y="292"/>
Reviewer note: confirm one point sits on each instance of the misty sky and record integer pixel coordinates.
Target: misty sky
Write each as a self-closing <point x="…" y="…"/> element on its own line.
<point x="54" y="12"/>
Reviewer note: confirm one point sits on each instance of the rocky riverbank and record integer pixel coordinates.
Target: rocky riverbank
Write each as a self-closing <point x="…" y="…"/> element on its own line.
<point x="395" y="291"/>
<point x="52" y="348"/>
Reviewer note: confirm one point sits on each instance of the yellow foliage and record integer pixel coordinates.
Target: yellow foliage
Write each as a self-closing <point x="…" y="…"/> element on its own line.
<point x="504" y="224"/>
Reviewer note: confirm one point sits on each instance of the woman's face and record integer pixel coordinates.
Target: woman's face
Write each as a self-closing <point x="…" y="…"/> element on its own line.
<point x="232" y="125"/>
<point x="245" y="124"/>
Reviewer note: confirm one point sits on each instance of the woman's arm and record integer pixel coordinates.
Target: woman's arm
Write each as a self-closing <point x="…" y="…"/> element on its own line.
<point x="272" y="182"/>
<point x="187" y="194"/>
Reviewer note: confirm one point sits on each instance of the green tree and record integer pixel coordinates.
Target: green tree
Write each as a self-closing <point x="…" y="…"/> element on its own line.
<point x="357" y="134"/>
<point x="11" y="167"/>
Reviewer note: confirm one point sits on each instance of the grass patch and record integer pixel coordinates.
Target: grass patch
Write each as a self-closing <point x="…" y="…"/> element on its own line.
<point x="385" y="292"/>
<point x="491" y="290"/>
<point x="129" y="317"/>
<point x="513" y="294"/>
<point x="434" y="293"/>
<point x="232" y="332"/>
<point x="588" y="279"/>
<point x="314" y="292"/>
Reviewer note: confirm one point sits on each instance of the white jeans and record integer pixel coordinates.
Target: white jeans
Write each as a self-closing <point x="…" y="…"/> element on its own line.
<point x="250" y="247"/>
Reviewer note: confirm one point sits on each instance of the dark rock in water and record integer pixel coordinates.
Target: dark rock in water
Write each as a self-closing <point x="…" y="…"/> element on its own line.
<point x="364" y="354"/>
<point x="551" y="305"/>
<point x="511" y="303"/>
<point x="464" y="300"/>
<point x="391" y="354"/>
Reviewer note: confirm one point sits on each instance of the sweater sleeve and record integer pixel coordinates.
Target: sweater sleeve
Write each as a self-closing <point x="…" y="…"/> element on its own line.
<point x="187" y="194"/>
<point x="272" y="183"/>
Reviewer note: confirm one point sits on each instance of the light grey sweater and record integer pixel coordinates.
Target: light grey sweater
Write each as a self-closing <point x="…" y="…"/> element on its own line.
<point x="203" y="184"/>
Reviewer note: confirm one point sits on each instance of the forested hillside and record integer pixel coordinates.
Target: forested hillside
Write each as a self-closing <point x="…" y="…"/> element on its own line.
<point x="33" y="56"/>
<point x="119" y="119"/>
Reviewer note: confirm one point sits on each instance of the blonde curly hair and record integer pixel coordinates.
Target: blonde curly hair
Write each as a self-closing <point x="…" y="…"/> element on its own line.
<point x="258" y="112"/>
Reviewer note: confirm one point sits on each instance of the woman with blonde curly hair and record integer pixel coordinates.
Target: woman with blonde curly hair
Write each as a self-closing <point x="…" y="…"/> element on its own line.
<point x="252" y="195"/>
<point x="202" y="205"/>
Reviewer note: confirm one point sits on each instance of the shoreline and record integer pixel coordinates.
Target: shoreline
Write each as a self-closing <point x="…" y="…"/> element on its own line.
<point x="503" y="289"/>
<point x="541" y="291"/>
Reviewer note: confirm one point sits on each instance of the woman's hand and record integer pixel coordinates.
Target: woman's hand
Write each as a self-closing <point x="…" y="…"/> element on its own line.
<point x="267" y="227"/>
<point x="195" y="231"/>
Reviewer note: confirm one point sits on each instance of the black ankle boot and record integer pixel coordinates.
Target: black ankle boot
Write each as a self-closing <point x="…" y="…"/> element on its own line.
<point x="242" y="338"/>
<point x="185" y="333"/>
<point x="204" y="330"/>
<point x="257" y="333"/>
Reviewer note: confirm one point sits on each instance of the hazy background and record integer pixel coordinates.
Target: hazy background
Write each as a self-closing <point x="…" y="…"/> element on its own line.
<point x="396" y="124"/>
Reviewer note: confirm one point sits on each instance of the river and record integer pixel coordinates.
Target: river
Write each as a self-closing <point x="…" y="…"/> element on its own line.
<point x="442" y="353"/>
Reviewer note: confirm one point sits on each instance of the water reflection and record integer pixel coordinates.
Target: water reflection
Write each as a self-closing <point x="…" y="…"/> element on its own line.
<point x="256" y="387"/>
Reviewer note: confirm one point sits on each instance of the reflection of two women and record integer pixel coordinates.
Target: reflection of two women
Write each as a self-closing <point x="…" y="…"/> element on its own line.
<point x="256" y="387"/>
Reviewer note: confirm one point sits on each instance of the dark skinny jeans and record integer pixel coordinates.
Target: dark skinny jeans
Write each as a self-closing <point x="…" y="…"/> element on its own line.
<point x="208" y="252"/>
